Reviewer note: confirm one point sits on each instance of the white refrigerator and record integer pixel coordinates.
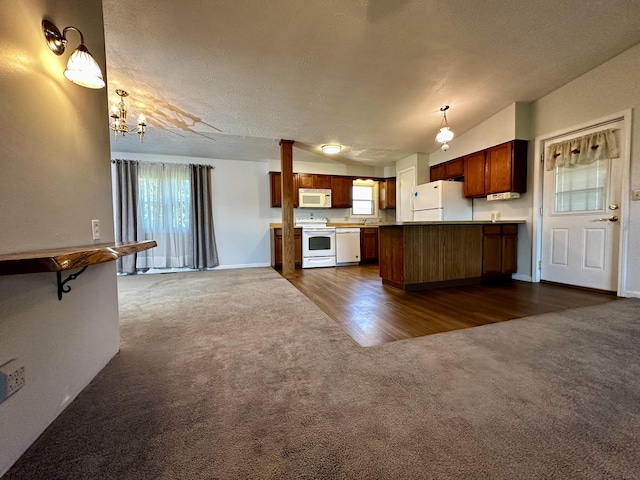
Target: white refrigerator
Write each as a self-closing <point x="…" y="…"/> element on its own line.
<point x="440" y="201"/>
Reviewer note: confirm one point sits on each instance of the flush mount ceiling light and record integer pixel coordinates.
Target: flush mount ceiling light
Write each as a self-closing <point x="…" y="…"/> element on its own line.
<point x="331" y="149"/>
<point x="119" y="116"/>
<point x="82" y="69"/>
<point x="445" y="135"/>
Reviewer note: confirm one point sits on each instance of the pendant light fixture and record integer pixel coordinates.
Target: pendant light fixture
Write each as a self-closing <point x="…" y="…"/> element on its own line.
<point x="119" y="116"/>
<point x="82" y="69"/>
<point x="445" y="135"/>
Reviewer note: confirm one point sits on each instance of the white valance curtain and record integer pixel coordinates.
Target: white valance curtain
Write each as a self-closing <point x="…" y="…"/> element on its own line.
<point x="582" y="150"/>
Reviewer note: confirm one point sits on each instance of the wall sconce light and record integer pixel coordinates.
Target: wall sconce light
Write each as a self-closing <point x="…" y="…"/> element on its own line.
<point x="445" y="135"/>
<point x="82" y="69"/>
<point x="331" y="149"/>
<point x="119" y="115"/>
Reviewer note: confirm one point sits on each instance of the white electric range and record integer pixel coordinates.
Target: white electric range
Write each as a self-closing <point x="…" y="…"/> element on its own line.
<point x="318" y="242"/>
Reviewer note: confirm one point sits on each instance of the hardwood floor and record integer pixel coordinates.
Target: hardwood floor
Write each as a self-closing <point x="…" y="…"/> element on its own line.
<point x="373" y="314"/>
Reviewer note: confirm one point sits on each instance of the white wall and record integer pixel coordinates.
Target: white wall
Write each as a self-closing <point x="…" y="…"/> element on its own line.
<point x="330" y="168"/>
<point x="418" y="160"/>
<point x="611" y="88"/>
<point x="608" y="89"/>
<point x="508" y="124"/>
<point x="54" y="158"/>
<point x="241" y="210"/>
<point x="241" y="203"/>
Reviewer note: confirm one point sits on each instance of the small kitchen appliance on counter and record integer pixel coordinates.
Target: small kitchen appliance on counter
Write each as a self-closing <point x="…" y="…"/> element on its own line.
<point x="440" y="201"/>
<point x="318" y="242"/>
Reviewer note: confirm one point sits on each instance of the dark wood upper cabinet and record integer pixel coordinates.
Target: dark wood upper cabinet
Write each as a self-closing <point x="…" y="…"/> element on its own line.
<point x="275" y="183"/>
<point x="454" y="168"/>
<point x="498" y="169"/>
<point x="474" y="175"/>
<point x="322" y="181"/>
<point x="387" y="193"/>
<point x="447" y="170"/>
<point x="341" y="191"/>
<point x="305" y="180"/>
<point x="507" y="168"/>
<point x="312" y="180"/>
<point x="437" y="172"/>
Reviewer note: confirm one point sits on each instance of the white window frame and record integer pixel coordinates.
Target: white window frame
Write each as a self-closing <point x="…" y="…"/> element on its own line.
<point x="374" y="186"/>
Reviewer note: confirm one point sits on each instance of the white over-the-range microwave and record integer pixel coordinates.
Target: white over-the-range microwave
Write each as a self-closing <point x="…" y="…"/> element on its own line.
<point x="314" y="198"/>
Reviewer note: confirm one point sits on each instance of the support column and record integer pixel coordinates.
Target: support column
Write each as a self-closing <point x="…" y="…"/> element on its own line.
<point x="288" y="244"/>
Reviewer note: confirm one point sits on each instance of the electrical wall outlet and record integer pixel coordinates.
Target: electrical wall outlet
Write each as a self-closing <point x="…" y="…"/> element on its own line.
<point x="12" y="379"/>
<point x="95" y="228"/>
<point x="635" y="195"/>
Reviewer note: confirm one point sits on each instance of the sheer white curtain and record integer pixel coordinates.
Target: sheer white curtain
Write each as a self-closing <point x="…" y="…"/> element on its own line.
<point x="164" y="200"/>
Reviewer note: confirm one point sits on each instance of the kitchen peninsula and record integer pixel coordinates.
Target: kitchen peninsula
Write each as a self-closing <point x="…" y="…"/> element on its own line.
<point x="421" y="255"/>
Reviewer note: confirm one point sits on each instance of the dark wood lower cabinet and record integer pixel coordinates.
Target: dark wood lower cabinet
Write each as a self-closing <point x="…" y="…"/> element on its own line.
<point x="423" y="256"/>
<point x="368" y="245"/>
<point x="276" y="247"/>
<point x="499" y="250"/>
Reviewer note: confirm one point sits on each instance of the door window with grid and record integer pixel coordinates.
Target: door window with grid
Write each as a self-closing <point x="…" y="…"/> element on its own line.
<point x="581" y="188"/>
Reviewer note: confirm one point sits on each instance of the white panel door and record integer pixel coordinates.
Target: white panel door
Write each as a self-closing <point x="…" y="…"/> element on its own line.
<point x="406" y="180"/>
<point x="581" y="221"/>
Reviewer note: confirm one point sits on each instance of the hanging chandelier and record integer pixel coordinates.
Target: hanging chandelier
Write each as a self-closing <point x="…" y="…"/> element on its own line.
<point x="445" y="135"/>
<point x="119" y="116"/>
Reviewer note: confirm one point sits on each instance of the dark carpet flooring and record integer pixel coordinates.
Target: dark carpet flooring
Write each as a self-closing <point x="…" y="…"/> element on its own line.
<point x="234" y="374"/>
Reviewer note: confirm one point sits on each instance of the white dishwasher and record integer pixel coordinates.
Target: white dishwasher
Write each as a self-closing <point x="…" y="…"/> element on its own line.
<point x="347" y="245"/>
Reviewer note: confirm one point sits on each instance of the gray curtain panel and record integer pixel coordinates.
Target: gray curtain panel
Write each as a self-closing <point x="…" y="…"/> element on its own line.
<point x="204" y="253"/>
<point x="126" y="206"/>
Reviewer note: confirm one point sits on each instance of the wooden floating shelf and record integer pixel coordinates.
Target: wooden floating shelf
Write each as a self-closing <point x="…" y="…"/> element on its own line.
<point x="68" y="258"/>
<point x="60" y="259"/>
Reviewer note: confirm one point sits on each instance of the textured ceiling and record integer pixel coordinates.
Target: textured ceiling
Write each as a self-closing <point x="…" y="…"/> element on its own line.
<point x="228" y="78"/>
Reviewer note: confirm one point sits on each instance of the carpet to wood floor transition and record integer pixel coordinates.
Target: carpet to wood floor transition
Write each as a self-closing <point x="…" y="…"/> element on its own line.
<point x="235" y="374"/>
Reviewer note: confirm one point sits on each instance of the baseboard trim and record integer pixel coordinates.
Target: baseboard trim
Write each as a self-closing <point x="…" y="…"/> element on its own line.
<point x="241" y="265"/>
<point x="578" y="287"/>
<point x="416" y="287"/>
<point x="631" y="294"/>
<point x="522" y="278"/>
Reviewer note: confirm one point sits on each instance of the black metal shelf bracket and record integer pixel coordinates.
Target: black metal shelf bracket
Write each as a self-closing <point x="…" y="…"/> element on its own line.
<point x="62" y="288"/>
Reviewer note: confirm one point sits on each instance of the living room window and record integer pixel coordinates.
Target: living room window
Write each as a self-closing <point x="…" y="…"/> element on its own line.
<point x="171" y="204"/>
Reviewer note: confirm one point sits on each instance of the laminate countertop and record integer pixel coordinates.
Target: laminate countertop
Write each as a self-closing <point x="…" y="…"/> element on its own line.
<point x="453" y="222"/>
<point x="336" y="224"/>
<point x="408" y="224"/>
